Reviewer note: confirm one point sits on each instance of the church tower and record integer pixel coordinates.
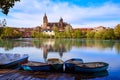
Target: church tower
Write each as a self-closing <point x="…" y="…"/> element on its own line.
<point x="45" y="21"/>
<point x="61" y="22"/>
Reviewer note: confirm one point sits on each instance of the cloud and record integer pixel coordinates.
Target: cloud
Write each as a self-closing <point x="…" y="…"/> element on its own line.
<point x="30" y="13"/>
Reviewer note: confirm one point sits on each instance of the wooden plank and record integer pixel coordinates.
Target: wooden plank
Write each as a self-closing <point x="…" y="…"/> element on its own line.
<point x="27" y="78"/>
<point x="2" y="71"/>
<point x="29" y="75"/>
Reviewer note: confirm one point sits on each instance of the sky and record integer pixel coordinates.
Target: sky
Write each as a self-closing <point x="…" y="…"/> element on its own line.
<point x="78" y="13"/>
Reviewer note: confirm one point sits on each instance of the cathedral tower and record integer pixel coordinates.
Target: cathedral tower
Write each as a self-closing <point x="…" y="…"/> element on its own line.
<point x="45" y="21"/>
<point x="61" y="22"/>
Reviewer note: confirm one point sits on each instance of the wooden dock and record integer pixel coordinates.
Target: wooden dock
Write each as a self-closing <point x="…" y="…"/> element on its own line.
<point x="16" y="74"/>
<point x="9" y="74"/>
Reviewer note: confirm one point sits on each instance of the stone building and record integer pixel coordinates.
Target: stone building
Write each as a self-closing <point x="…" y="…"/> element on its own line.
<point x="48" y="26"/>
<point x="99" y="28"/>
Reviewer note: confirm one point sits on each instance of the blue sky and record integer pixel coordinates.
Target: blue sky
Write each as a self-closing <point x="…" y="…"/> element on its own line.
<point x="79" y="13"/>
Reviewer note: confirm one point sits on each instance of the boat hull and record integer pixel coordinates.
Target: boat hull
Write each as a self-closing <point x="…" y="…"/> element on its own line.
<point x="36" y="68"/>
<point x="71" y="63"/>
<point x="89" y="69"/>
<point x="14" y="63"/>
<point x="56" y="64"/>
<point x="57" y="67"/>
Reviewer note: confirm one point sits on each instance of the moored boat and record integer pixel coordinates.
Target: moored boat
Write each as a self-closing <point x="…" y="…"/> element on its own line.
<point x="8" y="60"/>
<point x="57" y="64"/>
<point x="91" y="67"/>
<point x="71" y="63"/>
<point x="36" y="66"/>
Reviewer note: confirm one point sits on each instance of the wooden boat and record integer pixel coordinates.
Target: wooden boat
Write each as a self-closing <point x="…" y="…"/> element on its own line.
<point x="71" y="63"/>
<point x="35" y="66"/>
<point x="12" y="60"/>
<point x="56" y="64"/>
<point x="91" y="67"/>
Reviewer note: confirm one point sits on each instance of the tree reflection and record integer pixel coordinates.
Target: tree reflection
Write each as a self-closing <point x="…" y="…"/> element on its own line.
<point x="7" y="44"/>
<point x="59" y="45"/>
<point x="117" y="47"/>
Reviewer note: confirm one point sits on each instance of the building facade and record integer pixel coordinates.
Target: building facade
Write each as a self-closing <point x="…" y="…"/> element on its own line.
<point x="48" y="26"/>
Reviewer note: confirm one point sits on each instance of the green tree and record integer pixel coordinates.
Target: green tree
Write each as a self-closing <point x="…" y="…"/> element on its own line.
<point x="8" y="33"/>
<point x="78" y="33"/>
<point x="1" y="31"/>
<point x="56" y="31"/>
<point x="73" y="33"/>
<point x="90" y="34"/>
<point x="37" y="34"/>
<point x="83" y="34"/>
<point x="68" y="31"/>
<point x="108" y="34"/>
<point x="5" y="5"/>
<point x="117" y="31"/>
<point x="99" y="34"/>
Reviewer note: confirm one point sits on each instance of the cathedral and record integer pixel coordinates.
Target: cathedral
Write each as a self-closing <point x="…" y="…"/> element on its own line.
<point x="48" y="26"/>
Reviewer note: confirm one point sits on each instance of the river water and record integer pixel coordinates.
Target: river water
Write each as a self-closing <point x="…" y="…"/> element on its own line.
<point x="89" y="50"/>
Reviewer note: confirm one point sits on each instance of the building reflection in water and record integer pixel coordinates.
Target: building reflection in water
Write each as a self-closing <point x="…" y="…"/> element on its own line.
<point x="52" y="48"/>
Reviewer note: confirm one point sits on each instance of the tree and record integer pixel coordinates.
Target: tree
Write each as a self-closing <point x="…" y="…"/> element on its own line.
<point x="90" y="34"/>
<point x="78" y="33"/>
<point x="67" y="31"/>
<point x="117" y="31"/>
<point x="4" y="23"/>
<point x="108" y="34"/>
<point x="1" y="31"/>
<point x="37" y="34"/>
<point x="56" y="31"/>
<point x="5" y="5"/>
<point x="8" y="33"/>
<point x="99" y="34"/>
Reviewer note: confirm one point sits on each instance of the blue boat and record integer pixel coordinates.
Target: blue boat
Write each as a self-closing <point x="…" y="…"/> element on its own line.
<point x="91" y="67"/>
<point x="12" y="60"/>
<point x="71" y="63"/>
<point x="36" y="66"/>
<point x="56" y="64"/>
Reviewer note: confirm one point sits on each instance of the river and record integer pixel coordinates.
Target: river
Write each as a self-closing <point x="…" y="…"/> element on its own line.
<point x="87" y="49"/>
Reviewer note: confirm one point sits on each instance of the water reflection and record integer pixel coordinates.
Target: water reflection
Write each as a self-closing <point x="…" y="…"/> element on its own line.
<point x="60" y="45"/>
<point x="88" y="50"/>
<point x="51" y="48"/>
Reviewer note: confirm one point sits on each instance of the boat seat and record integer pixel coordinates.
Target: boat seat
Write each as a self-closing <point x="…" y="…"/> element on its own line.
<point x="84" y="65"/>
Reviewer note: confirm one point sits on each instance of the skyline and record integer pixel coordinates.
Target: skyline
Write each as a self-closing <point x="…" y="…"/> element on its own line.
<point x="78" y="13"/>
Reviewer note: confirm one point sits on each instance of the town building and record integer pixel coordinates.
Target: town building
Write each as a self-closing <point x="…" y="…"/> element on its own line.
<point x="99" y="28"/>
<point x="47" y="26"/>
